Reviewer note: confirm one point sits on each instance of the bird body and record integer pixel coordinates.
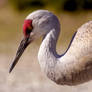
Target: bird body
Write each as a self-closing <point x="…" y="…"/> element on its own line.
<point x="71" y="68"/>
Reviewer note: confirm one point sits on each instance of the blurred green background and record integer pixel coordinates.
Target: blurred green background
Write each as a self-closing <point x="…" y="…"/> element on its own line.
<point x="65" y="5"/>
<point x="27" y="75"/>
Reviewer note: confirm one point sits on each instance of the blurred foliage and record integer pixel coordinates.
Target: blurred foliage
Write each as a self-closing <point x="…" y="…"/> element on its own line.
<point x="24" y="4"/>
<point x="66" y="5"/>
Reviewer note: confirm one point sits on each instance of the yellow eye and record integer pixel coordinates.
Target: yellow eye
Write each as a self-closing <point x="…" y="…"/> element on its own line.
<point x="30" y="27"/>
<point x="28" y="31"/>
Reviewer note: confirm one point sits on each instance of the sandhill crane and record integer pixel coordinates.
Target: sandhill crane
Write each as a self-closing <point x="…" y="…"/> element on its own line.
<point x="74" y="67"/>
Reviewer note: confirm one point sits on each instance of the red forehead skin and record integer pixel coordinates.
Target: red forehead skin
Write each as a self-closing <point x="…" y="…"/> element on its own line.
<point x="27" y="23"/>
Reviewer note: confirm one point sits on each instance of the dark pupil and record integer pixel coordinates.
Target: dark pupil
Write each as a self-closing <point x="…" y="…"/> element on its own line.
<point x="28" y="31"/>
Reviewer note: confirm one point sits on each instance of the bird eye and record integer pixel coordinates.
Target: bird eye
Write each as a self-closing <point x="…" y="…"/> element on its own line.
<point x="28" y="31"/>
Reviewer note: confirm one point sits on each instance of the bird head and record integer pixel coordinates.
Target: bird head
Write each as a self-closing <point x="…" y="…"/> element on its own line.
<point x="37" y="24"/>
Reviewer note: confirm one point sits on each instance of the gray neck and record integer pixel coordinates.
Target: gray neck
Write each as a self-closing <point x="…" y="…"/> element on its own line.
<point x="50" y="41"/>
<point x="47" y="53"/>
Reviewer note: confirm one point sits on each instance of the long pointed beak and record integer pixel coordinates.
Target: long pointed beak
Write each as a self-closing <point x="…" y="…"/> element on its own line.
<point x="24" y="43"/>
